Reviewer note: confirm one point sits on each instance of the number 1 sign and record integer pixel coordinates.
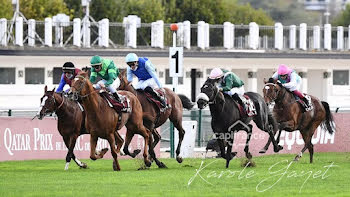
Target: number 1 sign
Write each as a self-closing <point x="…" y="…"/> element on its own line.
<point x="176" y="61"/>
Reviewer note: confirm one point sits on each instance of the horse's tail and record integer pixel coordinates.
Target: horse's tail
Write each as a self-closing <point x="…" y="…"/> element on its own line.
<point x="186" y="102"/>
<point x="328" y="123"/>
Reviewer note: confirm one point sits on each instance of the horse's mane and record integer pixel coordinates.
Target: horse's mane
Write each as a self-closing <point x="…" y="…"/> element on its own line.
<point x="84" y="74"/>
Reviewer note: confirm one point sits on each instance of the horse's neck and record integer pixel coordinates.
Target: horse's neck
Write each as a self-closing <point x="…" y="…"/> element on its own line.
<point x="285" y="97"/>
<point x="60" y="109"/>
<point x="131" y="89"/>
<point x="217" y="106"/>
<point x="91" y="102"/>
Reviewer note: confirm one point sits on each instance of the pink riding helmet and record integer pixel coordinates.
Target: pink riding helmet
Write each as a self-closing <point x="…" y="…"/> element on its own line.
<point x="283" y="69"/>
<point x="216" y="73"/>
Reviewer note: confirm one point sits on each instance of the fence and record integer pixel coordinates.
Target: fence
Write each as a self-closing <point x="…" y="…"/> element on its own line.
<point x="204" y="36"/>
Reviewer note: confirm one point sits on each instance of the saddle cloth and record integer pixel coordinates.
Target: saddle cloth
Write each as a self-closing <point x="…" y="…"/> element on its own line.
<point x="154" y="100"/>
<point x="123" y="106"/>
<point x="249" y="108"/>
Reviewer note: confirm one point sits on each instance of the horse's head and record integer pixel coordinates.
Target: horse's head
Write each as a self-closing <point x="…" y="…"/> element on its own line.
<point x="123" y="80"/>
<point x="209" y="91"/>
<point x="271" y="90"/>
<point x="47" y="104"/>
<point x="81" y="86"/>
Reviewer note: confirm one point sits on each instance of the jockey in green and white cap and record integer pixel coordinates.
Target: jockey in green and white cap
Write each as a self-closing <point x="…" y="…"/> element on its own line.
<point x="105" y="69"/>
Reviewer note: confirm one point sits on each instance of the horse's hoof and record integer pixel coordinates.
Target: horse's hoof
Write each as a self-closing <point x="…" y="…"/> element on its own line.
<point x="136" y="152"/>
<point x="162" y="165"/>
<point x="262" y="151"/>
<point x="233" y="154"/>
<point x="179" y="159"/>
<point x="296" y="159"/>
<point x="148" y="163"/>
<point x="249" y="156"/>
<point x="84" y="165"/>
<point x="278" y="148"/>
<point x="227" y="163"/>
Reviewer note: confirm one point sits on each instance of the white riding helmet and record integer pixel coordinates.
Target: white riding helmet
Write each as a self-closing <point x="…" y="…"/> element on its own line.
<point x="216" y="73"/>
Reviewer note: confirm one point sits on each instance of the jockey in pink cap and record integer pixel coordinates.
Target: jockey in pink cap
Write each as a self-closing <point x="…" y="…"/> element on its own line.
<point x="291" y="81"/>
<point x="231" y="84"/>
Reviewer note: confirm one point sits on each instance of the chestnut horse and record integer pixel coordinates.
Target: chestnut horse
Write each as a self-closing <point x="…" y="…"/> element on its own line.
<point x="70" y="124"/>
<point x="154" y="119"/>
<point x="290" y="116"/>
<point x="103" y="121"/>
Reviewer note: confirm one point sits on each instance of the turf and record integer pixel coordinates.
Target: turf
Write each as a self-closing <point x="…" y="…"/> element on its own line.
<point x="273" y="175"/>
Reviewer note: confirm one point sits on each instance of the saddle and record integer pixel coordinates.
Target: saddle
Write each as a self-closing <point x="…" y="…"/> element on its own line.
<point x="248" y="108"/>
<point x="155" y="100"/>
<point x="305" y="106"/>
<point x="123" y="106"/>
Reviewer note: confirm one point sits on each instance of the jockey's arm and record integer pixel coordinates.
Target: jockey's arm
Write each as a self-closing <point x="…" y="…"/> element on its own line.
<point x="293" y="81"/>
<point x="93" y="75"/>
<point x="61" y="85"/>
<point x="150" y="68"/>
<point x="129" y="74"/>
<point x="112" y="75"/>
<point x="275" y="76"/>
<point x="228" y="83"/>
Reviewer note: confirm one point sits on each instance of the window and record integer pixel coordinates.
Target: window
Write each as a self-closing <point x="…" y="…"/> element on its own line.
<point x="57" y="73"/>
<point x="34" y="75"/>
<point x="169" y="80"/>
<point x="8" y="75"/>
<point x="340" y="77"/>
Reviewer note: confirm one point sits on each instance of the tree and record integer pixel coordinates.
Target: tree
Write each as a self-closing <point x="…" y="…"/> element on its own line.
<point x="288" y="12"/>
<point x="343" y="19"/>
<point x="6" y="9"/>
<point x="40" y="9"/>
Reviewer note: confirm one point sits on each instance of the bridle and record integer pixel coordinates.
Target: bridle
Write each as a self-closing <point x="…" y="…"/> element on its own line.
<point x="54" y="103"/>
<point x="277" y="93"/>
<point x="77" y="94"/>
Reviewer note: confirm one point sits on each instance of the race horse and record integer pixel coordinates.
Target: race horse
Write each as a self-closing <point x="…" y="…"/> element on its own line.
<point x="227" y="119"/>
<point x="70" y="124"/>
<point x="104" y="122"/>
<point x="153" y="118"/>
<point x="291" y="116"/>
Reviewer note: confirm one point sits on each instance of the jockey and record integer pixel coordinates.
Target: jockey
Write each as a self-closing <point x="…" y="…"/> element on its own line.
<point x="105" y="69"/>
<point x="69" y="72"/>
<point x="291" y="81"/>
<point x="229" y="83"/>
<point x="144" y="70"/>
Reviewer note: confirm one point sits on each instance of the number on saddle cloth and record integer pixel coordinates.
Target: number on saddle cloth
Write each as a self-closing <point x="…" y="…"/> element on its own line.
<point x="248" y="105"/>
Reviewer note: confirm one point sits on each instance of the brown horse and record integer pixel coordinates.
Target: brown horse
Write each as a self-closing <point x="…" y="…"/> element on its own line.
<point x="290" y="115"/>
<point x="154" y="119"/>
<point x="70" y="122"/>
<point x="103" y="121"/>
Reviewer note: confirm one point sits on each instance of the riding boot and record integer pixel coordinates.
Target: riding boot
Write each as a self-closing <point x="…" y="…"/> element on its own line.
<point x="306" y="102"/>
<point x="238" y="99"/>
<point x="156" y="95"/>
<point x="116" y="96"/>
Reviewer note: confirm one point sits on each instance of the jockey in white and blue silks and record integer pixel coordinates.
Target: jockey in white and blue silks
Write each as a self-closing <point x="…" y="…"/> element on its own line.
<point x="144" y="70"/>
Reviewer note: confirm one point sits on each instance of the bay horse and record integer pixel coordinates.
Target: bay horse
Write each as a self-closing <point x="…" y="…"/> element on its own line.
<point x="70" y="123"/>
<point x="227" y="119"/>
<point x="103" y="121"/>
<point x="290" y="115"/>
<point x="154" y="119"/>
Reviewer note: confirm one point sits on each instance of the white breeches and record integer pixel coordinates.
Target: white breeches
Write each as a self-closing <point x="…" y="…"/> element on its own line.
<point x="142" y="84"/>
<point x="112" y="88"/>
<point x="240" y="91"/>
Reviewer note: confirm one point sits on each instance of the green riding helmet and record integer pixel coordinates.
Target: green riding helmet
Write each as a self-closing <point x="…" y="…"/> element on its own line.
<point x="96" y="60"/>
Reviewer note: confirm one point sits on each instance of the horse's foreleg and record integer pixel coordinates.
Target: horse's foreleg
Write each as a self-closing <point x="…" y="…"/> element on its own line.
<point x="111" y="140"/>
<point x="70" y="144"/>
<point x="222" y="148"/>
<point x="229" y="154"/>
<point x="128" y="138"/>
<point x="153" y="154"/>
<point x="246" y="148"/>
<point x="146" y="135"/>
<point x="93" y="143"/>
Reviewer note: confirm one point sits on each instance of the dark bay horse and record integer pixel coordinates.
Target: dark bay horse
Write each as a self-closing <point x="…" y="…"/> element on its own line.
<point x="154" y="119"/>
<point x="70" y="124"/>
<point x="290" y="116"/>
<point x="226" y="118"/>
<point x="104" y="122"/>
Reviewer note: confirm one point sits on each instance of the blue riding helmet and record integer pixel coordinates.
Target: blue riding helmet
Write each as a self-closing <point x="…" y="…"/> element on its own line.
<point x="131" y="57"/>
